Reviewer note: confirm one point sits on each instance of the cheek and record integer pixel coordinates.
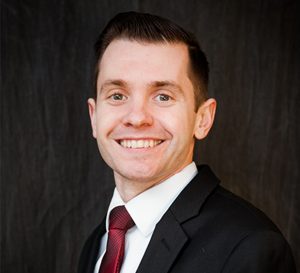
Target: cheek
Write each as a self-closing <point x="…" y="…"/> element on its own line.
<point x="106" y="120"/>
<point x="179" y="123"/>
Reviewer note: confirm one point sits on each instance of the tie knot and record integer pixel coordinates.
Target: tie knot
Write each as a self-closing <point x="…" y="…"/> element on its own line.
<point x="119" y="218"/>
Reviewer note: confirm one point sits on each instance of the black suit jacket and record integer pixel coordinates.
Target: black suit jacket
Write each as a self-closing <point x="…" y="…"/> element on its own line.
<point x="207" y="230"/>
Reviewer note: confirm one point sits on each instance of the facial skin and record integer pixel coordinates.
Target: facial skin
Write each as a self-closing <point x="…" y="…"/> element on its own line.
<point x="144" y="118"/>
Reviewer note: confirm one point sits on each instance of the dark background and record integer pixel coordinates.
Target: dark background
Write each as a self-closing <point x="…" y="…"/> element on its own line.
<point x="55" y="187"/>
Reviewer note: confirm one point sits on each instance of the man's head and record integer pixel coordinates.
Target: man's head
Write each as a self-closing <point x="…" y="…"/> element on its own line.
<point x="144" y="117"/>
<point x="147" y="28"/>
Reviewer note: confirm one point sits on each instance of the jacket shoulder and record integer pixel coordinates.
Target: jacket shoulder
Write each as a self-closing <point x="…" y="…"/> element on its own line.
<point x="235" y="211"/>
<point x="229" y="234"/>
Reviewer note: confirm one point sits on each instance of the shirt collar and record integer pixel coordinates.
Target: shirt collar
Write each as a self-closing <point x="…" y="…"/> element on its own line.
<point x="147" y="208"/>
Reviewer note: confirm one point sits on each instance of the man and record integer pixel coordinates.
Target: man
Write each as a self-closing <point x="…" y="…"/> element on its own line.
<point x="151" y="104"/>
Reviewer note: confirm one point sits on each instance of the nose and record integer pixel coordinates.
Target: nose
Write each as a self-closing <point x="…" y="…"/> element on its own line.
<point x="138" y="115"/>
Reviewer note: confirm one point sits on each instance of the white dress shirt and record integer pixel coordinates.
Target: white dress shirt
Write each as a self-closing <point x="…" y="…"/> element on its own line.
<point x="146" y="209"/>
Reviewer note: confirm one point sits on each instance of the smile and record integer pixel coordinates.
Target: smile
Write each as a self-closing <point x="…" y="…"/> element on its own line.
<point x="139" y="143"/>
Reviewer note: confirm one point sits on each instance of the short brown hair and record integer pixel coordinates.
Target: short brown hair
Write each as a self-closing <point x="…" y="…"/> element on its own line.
<point x="154" y="29"/>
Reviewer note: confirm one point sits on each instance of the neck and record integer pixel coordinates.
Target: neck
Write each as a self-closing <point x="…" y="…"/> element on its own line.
<point x="128" y="189"/>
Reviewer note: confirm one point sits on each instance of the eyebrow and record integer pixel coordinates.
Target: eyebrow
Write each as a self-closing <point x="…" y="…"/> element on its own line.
<point x="172" y="84"/>
<point x="116" y="82"/>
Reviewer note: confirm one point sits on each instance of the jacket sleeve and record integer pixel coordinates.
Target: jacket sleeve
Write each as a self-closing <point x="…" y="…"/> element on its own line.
<point x="261" y="252"/>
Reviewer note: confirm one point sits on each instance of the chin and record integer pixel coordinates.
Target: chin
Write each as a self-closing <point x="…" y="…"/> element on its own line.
<point x="138" y="174"/>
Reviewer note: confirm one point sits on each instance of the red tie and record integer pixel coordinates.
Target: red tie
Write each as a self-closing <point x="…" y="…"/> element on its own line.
<point x="119" y="222"/>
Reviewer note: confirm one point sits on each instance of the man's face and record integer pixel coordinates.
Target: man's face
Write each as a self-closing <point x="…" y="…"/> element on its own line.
<point x="144" y="119"/>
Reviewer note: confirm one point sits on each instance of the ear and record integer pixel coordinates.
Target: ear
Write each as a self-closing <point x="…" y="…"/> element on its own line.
<point x="92" y="112"/>
<point x="205" y="118"/>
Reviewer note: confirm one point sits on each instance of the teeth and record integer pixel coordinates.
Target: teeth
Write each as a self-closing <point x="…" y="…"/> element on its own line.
<point x="134" y="144"/>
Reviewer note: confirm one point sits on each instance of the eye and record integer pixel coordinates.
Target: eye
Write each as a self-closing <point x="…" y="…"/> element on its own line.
<point x="163" y="97"/>
<point x="117" y="97"/>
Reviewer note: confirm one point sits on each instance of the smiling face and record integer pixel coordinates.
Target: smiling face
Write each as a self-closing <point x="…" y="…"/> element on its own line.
<point x="144" y="119"/>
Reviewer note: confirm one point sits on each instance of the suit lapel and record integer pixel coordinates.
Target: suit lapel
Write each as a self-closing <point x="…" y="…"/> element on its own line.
<point x="164" y="246"/>
<point x="169" y="237"/>
<point x="90" y="251"/>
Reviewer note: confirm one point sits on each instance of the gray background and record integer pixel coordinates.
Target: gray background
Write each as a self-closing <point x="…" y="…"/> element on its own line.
<point x="54" y="185"/>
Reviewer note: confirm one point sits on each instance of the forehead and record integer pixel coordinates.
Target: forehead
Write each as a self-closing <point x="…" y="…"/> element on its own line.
<point x="135" y="60"/>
